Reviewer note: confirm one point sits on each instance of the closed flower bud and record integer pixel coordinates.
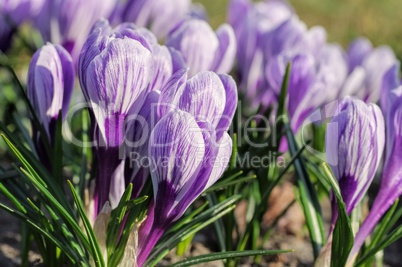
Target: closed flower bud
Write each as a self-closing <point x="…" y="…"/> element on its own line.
<point x="355" y="143"/>
<point x="50" y="84"/>
<point x="203" y="49"/>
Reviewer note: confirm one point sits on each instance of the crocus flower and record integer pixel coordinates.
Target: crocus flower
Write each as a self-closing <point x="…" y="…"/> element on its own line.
<point x="250" y="22"/>
<point x="50" y="84"/>
<point x="391" y="183"/>
<point x="115" y="70"/>
<point x="189" y="147"/>
<point x="354" y="146"/>
<point x="160" y="15"/>
<point x="12" y="14"/>
<point x="313" y="81"/>
<point x="69" y="22"/>
<point x="367" y="66"/>
<point x="203" y="49"/>
<point x="143" y="117"/>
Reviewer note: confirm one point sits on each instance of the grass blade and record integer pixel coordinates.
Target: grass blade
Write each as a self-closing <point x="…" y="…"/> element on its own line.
<point x="226" y="255"/>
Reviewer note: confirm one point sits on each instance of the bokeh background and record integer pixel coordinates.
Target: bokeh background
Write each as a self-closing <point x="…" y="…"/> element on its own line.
<point x="378" y="20"/>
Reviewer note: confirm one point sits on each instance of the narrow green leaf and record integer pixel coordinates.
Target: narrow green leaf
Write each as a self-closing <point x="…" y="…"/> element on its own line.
<point x="24" y="132"/>
<point x="379" y="232"/>
<point x="95" y="249"/>
<point x="281" y="117"/>
<point x="13" y="199"/>
<point x="167" y="242"/>
<point x="233" y="158"/>
<point x="388" y="240"/>
<point x="226" y="255"/>
<point x="218" y="224"/>
<point x="342" y="241"/>
<point x="22" y="217"/>
<point x="35" y="167"/>
<point x="116" y="218"/>
<point x="308" y="196"/>
<point x="166" y="247"/>
<point x="57" y="156"/>
<point x="67" y="217"/>
<point x="226" y="184"/>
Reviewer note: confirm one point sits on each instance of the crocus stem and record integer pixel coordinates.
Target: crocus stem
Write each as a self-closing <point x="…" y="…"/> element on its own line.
<point x="108" y="161"/>
<point x="149" y="235"/>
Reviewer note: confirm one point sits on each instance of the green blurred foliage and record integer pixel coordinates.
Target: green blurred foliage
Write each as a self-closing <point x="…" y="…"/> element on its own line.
<point x="380" y="21"/>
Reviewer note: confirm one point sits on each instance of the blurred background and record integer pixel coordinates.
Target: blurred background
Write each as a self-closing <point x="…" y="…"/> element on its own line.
<point x="378" y="20"/>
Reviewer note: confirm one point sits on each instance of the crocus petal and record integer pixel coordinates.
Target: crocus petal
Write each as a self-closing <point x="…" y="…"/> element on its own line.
<point x="390" y="83"/>
<point x="117" y="185"/>
<point x="50" y="83"/>
<point x="223" y="151"/>
<point x="230" y="107"/>
<point x="376" y="64"/>
<point x="68" y="77"/>
<point x="204" y="97"/>
<point x="160" y="15"/>
<point x="357" y="51"/>
<point x="197" y="43"/>
<point x="171" y="92"/>
<point x="176" y="149"/>
<point x="354" y="82"/>
<point x="116" y="77"/>
<point x="177" y="60"/>
<point x="302" y="91"/>
<point x="226" y="52"/>
<point x="139" y="126"/>
<point x="355" y="140"/>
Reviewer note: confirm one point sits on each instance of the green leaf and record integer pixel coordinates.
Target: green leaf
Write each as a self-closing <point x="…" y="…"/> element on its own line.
<point x="38" y="228"/>
<point x="379" y="232"/>
<point x="226" y="255"/>
<point x="57" y="157"/>
<point x="308" y="196"/>
<point x="94" y="246"/>
<point x="342" y="241"/>
<point x="116" y="218"/>
<point x="281" y="117"/>
<point x="388" y="240"/>
<point x="233" y="158"/>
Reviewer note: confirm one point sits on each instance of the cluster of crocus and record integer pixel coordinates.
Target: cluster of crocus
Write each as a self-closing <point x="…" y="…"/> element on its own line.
<point x="270" y="35"/>
<point x="139" y="90"/>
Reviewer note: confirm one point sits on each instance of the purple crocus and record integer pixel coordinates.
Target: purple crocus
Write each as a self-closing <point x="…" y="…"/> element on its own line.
<point x="391" y="183"/>
<point x="203" y="49"/>
<point x="160" y="15"/>
<point x="354" y="146"/>
<point x="189" y="147"/>
<point x="143" y="117"/>
<point x="69" y="22"/>
<point x="115" y="70"/>
<point x="50" y="84"/>
<point x="367" y="66"/>
<point x="313" y="81"/>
